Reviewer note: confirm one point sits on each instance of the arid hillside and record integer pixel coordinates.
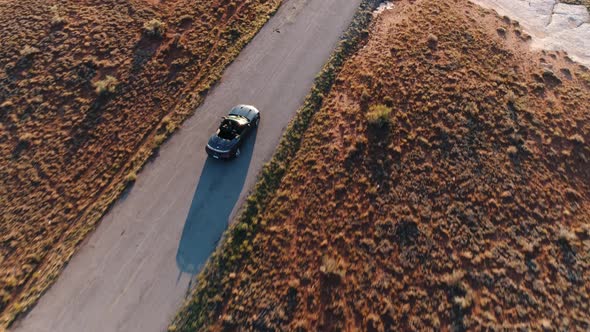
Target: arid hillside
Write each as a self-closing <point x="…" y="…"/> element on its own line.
<point x="88" y="89"/>
<point x="444" y="185"/>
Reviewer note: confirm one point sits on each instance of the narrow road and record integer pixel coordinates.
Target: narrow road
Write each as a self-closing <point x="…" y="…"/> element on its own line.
<point x="135" y="270"/>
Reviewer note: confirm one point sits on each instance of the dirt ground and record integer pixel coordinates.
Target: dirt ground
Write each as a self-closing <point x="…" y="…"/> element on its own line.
<point x="444" y="184"/>
<point x="88" y="89"/>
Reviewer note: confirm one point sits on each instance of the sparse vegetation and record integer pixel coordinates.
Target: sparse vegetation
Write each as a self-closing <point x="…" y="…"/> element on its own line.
<point x="29" y="51"/>
<point x="67" y="151"/>
<point x="131" y="177"/>
<point x="106" y="86"/>
<point x="451" y="222"/>
<point x="566" y="236"/>
<point x="332" y="268"/>
<point x="57" y="18"/>
<point x="432" y="41"/>
<point x="154" y="28"/>
<point x="379" y="115"/>
<point x="577" y="138"/>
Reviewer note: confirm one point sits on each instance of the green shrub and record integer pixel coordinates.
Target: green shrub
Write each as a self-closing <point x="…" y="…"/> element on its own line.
<point x="159" y="140"/>
<point x="106" y="86"/>
<point x="131" y="177"/>
<point x="379" y="116"/>
<point x="154" y="28"/>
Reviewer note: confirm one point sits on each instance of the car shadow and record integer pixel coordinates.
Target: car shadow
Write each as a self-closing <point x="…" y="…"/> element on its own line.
<point x="216" y="195"/>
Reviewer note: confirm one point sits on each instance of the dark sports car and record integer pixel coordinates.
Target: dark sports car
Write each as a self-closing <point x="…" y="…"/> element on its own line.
<point x="232" y="132"/>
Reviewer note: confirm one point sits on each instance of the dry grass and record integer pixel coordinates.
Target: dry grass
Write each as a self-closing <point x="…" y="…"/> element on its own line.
<point x="470" y="213"/>
<point x="86" y="93"/>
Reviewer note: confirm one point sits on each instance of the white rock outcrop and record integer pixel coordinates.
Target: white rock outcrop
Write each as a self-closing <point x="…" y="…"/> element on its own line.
<point x="553" y="25"/>
<point x="383" y="7"/>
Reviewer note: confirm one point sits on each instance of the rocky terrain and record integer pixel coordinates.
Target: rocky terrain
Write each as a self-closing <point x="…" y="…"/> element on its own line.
<point x="554" y="24"/>
<point x="88" y="89"/>
<point x="443" y="185"/>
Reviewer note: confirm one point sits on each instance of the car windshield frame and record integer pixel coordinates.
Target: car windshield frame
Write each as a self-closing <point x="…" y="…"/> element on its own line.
<point x="232" y="127"/>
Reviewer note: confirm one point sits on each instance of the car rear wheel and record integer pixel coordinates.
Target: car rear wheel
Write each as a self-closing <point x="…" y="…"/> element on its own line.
<point x="238" y="152"/>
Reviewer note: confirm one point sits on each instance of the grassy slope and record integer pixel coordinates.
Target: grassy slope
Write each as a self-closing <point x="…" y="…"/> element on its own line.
<point x="470" y="209"/>
<point x="68" y="152"/>
<point x="202" y="308"/>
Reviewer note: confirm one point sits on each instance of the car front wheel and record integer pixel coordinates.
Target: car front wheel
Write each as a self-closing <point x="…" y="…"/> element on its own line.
<point x="257" y="121"/>
<point x="238" y="153"/>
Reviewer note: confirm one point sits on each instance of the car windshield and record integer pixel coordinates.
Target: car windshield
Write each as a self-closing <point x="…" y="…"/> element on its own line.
<point x="230" y="129"/>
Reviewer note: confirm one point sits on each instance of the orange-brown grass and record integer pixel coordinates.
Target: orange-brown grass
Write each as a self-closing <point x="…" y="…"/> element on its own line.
<point x="469" y="209"/>
<point x="88" y="89"/>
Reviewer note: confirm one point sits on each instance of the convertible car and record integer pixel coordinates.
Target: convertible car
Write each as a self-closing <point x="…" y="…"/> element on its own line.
<point x="232" y="132"/>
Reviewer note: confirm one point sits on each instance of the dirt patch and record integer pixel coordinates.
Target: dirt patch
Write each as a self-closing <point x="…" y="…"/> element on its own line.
<point x="443" y="185"/>
<point x="88" y="89"/>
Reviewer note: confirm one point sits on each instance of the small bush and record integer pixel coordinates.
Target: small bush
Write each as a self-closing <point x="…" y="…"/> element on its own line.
<point x="432" y="41"/>
<point x="453" y="279"/>
<point x="463" y="302"/>
<point x="57" y="19"/>
<point x="159" y="139"/>
<point x="7" y="104"/>
<point x="577" y="138"/>
<point x="550" y="78"/>
<point x="29" y="51"/>
<point x="154" y="28"/>
<point x="131" y="177"/>
<point x="331" y="268"/>
<point x="512" y="151"/>
<point x="566" y="236"/>
<point x="106" y="86"/>
<point x="26" y="137"/>
<point x="379" y="116"/>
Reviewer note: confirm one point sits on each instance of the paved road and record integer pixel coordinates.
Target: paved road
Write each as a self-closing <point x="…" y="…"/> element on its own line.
<point x="135" y="270"/>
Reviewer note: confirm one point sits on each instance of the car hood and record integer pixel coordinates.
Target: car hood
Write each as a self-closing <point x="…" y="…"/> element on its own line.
<point x="221" y="144"/>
